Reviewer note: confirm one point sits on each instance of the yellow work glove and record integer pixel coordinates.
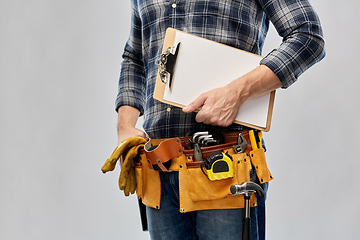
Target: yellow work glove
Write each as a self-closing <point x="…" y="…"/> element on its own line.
<point x="128" y="148"/>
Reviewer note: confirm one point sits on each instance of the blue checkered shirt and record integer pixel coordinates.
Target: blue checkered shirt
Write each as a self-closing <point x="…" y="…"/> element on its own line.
<point x="239" y="23"/>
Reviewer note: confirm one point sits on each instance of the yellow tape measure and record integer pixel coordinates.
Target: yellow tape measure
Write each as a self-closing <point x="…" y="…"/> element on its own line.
<point x="218" y="166"/>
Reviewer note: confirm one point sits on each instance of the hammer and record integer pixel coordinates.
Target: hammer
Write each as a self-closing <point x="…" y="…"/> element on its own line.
<point x="247" y="188"/>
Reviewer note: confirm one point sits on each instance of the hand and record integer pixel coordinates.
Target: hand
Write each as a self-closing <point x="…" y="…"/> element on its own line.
<point x="124" y="132"/>
<point x="219" y="106"/>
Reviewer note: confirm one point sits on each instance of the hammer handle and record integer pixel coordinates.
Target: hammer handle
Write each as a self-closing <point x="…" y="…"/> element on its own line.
<point x="246" y="229"/>
<point x="246" y="219"/>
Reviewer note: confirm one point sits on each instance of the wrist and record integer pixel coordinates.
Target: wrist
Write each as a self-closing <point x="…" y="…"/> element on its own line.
<point x="127" y="119"/>
<point x="257" y="82"/>
<point x="240" y="89"/>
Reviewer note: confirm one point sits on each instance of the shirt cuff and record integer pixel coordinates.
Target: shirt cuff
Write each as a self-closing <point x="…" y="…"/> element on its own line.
<point x="129" y="99"/>
<point x="275" y="62"/>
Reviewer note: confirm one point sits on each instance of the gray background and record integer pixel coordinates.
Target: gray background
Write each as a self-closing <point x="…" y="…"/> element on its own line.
<point x="59" y="67"/>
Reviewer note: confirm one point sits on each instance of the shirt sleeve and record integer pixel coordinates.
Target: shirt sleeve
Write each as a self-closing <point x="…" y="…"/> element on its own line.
<point x="303" y="45"/>
<point x="131" y="88"/>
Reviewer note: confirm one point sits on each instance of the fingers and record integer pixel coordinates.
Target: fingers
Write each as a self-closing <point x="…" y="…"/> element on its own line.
<point x="215" y="108"/>
<point x="200" y="104"/>
<point x="195" y="105"/>
<point x="215" y="118"/>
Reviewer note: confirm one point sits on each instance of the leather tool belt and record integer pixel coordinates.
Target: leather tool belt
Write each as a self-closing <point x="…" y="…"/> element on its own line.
<point x="197" y="192"/>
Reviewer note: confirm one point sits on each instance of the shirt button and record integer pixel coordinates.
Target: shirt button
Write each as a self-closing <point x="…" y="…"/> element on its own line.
<point x="168" y="109"/>
<point x="173" y="5"/>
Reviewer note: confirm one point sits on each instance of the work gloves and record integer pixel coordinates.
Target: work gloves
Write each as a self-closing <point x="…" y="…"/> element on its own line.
<point x="128" y="149"/>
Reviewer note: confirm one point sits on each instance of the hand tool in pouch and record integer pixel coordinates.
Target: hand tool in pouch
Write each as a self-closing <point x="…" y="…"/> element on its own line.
<point x="218" y="166"/>
<point x="247" y="188"/>
<point x="255" y="139"/>
<point x="242" y="144"/>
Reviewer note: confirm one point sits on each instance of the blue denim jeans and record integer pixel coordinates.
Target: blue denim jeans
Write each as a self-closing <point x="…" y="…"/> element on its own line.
<point x="220" y="224"/>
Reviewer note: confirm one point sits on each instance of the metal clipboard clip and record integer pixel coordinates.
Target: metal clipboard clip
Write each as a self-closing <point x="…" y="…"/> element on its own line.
<point x="166" y="64"/>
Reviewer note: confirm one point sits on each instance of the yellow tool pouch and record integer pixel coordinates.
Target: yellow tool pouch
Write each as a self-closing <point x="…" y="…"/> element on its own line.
<point x="259" y="161"/>
<point x="197" y="192"/>
<point x="148" y="184"/>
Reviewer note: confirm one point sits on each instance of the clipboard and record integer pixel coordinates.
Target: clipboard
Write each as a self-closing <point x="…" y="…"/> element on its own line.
<point x="198" y="65"/>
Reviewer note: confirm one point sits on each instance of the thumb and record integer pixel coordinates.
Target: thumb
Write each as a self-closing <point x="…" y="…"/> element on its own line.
<point x="194" y="105"/>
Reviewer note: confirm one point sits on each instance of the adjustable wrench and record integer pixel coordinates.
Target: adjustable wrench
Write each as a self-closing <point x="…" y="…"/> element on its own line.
<point x="242" y="144"/>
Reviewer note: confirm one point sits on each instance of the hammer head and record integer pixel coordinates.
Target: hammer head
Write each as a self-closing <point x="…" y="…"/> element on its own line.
<point x="247" y="187"/>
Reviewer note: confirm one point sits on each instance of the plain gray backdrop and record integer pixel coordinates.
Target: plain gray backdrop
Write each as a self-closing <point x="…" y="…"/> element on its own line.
<point x="59" y="68"/>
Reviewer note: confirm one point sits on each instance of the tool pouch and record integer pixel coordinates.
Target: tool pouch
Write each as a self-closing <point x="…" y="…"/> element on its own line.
<point x="148" y="184"/>
<point x="147" y="178"/>
<point x="259" y="161"/>
<point x="197" y="192"/>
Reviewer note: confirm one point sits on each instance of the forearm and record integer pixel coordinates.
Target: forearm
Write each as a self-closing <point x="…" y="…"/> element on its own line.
<point x="127" y="119"/>
<point x="257" y="82"/>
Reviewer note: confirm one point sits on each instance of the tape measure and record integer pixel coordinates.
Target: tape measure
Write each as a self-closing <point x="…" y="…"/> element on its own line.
<point x="218" y="166"/>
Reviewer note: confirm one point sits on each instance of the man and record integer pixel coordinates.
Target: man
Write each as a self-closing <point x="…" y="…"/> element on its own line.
<point x="242" y="24"/>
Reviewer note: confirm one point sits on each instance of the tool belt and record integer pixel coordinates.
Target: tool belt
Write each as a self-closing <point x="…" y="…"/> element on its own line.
<point x="197" y="192"/>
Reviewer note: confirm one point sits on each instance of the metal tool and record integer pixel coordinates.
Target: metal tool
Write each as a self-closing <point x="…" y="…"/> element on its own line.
<point x="197" y="148"/>
<point x="242" y="144"/>
<point x="198" y="134"/>
<point x="188" y="144"/>
<point x="247" y="188"/>
<point x="197" y="153"/>
<point x="206" y="140"/>
<point x="203" y="139"/>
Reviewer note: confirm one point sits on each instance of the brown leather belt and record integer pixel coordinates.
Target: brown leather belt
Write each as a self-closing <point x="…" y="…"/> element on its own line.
<point x="160" y="151"/>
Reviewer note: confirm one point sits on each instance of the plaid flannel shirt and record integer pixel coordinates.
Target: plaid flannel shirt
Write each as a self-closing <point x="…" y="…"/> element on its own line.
<point x="238" y="23"/>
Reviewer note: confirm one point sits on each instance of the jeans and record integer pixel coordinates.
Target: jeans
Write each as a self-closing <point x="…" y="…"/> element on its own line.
<point x="220" y="224"/>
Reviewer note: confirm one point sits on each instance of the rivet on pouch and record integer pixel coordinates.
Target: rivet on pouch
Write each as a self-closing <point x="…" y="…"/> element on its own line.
<point x="238" y="161"/>
<point x="182" y="210"/>
<point x="180" y="150"/>
<point x="178" y="140"/>
<point x="158" y="160"/>
<point x="157" y="207"/>
<point x="181" y="166"/>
